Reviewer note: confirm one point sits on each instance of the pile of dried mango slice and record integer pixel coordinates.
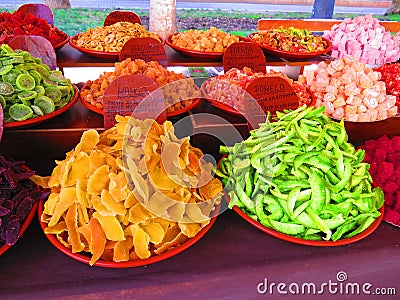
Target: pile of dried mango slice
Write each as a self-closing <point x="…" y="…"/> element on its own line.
<point x="132" y="192"/>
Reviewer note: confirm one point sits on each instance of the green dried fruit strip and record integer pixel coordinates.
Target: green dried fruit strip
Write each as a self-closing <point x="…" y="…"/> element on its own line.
<point x="20" y="112"/>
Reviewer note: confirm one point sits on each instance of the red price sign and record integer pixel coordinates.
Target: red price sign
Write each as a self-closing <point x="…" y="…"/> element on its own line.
<point x="244" y="54"/>
<point x="138" y="96"/>
<point x="37" y="46"/>
<point x="121" y="16"/>
<point x="39" y="10"/>
<point x="268" y="94"/>
<point x="145" y="48"/>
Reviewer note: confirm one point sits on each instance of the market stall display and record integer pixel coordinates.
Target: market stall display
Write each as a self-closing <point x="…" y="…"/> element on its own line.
<point x="202" y="44"/>
<point x="107" y="41"/>
<point x="129" y="207"/>
<point x="18" y="202"/>
<point x="383" y="155"/>
<point x="299" y="176"/>
<point x="17" y="23"/>
<point x="291" y="42"/>
<point x="350" y="90"/>
<point x="174" y="86"/>
<point x="253" y="251"/>
<point x="364" y="38"/>
<point x="29" y="91"/>
<point x="227" y="91"/>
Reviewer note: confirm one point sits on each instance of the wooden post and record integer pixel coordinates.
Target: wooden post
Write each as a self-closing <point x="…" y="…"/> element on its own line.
<point x="58" y="3"/>
<point x="323" y="9"/>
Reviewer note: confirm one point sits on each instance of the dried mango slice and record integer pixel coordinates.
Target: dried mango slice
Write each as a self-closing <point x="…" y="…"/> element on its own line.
<point x="56" y="229"/>
<point x="154" y="231"/>
<point x="140" y="242"/>
<point x="71" y="220"/>
<point x="98" y="180"/>
<point x="118" y="186"/>
<point x="67" y="198"/>
<point x="97" y="240"/>
<point x="179" y="239"/>
<point x="51" y="203"/>
<point x="100" y="207"/>
<point x="88" y="141"/>
<point x="108" y="201"/>
<point x="190" y="229"/>
<point x="138" y="214"/>
<point x="122" y="249"/>
<point x="160" y="179"/>
<point x="79" y="170"/>
<point x="111" y="227"/>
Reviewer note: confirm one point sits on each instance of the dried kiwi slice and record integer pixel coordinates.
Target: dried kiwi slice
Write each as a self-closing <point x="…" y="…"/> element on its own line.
<point x="48" y="82"/>
<point x="45" y="72"/>
<point x="27" y="95"/>
<point x="25" y="82"/>
<point x="16" y="59"/>
<point x="6" y="88"/>
<point x="37" y="110"/>
<point x="45" y="104"/>
<point x="39" y="90"/>
<point x="53" y="92"/>
<point x="35" y="74"/>
<point x="20" y="112"/>
<point x="65" y="90"/>
<point x="11" y="76"/>
<point x="58" y="77"/>
<point x="5" y="69"/>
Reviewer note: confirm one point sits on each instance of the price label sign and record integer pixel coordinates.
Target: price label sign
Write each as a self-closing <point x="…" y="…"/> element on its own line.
<point x="138" y="96"/>
<point x="244" y="54"/>
<point x="37" y="46"/>
<point x="271" y="94"/>
<point x="121" y="16"/>
<point x="39" y="10"/>
<point x="145" y="48"/>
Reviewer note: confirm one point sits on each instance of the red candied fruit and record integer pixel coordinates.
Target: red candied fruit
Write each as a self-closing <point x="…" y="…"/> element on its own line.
<point x="383" y="155"/>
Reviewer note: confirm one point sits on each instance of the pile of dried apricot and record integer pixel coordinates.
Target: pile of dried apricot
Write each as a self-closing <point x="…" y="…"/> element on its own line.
<point x="180" y="92"/>
<point x="210" y="40"/>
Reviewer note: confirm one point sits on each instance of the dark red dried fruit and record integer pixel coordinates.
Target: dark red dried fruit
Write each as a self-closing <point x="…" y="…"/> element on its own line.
<point x="18" y="194"/>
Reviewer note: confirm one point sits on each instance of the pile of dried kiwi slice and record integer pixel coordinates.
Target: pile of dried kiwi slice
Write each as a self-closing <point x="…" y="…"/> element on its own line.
<point x="28" y="88"/>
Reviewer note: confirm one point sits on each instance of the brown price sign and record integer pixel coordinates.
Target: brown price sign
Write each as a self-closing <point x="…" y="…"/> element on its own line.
<point x="121" y="16"/>
<point x="145" y="48"/>
<point x="244" y="54"/>
<point x="37" y="46"/>
<point x="136" y="95"/>
<point x="271" y="94"/>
